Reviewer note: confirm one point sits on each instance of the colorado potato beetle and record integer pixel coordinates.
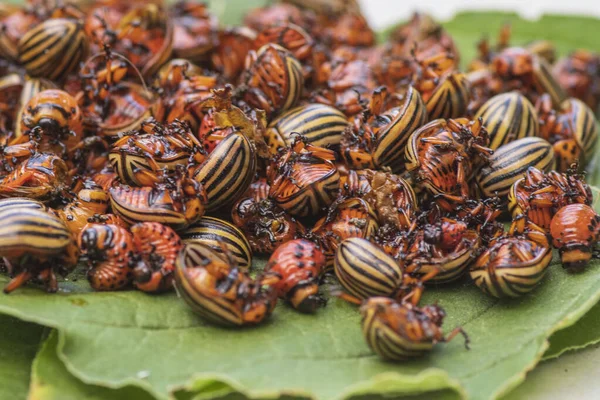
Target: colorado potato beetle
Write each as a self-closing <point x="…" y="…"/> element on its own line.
<point x="91" y="200"/>
<point x="571" y="130"/>
<point x="400" y="331"/>
<point x="575" y="231"/>
<point x="540" y="195"/>
<point x="442" y="251"/>
<point x="177" y="204"/>
<point x="229" y="56"/>
<point x="227" y="171"/>
<point x="31" y="87"/>
<point x="195" y="32"/>
<point x="144" y="35"/>
<point x="303" y="179"/>
<point x="289" y="36"/>
<point x="430" y="35"/>
<point x="377" y="138"/>
<point x="139" y="155"/>
<point x="510" y="163"/>
<point x="365" y="270"/>
<point x="350" y="29"/>
<point x="53" y="49"/>
<point x="449" y="99"/>
<point x="273" y="79"/>
<point x="265" y="224"/>
<point x="296" y="267"/>
<point x="513" y="264"/>
<point x="157" y="247"/>
<point x="43" y="177"/>
<point x="111" y="104"/>
<point x="442" y="155"/>
<point x="346" y="218"/>
<point x="320" y="124"/>
<point x="53" y="119"/>
<point x="214" y="233"/>
<point x="508" y="117"/>
<point x="221" y="293"/>
<point x="391" y="197"/>
<point x="108" y="250"/>
<point x="579" y="74"/>
<point x="35" y="245"/>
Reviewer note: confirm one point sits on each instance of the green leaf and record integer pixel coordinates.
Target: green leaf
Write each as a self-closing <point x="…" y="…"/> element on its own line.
<point x="51" y="380"/>
<point x="156" y="343"/>
<point x="582" y="334"/>
<point x="572" y="376"/>
<point x="18" y="345"/>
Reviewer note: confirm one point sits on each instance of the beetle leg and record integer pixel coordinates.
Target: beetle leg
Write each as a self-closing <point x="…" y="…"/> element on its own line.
<point x="462" y="179"/>
<point x="17" y="281"/>
<point x="518" y="251"/>
<point x="436" y="141"/>
<point x="455" y="332"/>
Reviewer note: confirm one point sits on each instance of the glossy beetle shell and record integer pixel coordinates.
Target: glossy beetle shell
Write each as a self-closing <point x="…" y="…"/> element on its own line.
<point x="40" y="237"/>
<point x="303" y="179"/>
<point x="221" y="294"/>
<point x="273" y="78"/>
<point x="148" y="204"/>
<point x="227" y="171"/>
<point x="444" y="169"/>
<point x="450" y="98"/>
<point x="53" y="48"/>
<point x="575" y="231"/>
<point x="55" y="117"/>
<point x="377" y="139"/>
<point x="90" y="201"/>
<point x="31" y="87"/>
<point x="510" y="163"/>
<point x="129" y="105"/>
<point x="138" y="156"/>
<point x="540" y="195"/>
<point x="21" y="202"/>
<point x="213" y="233"/>
<point x="508" y="117"/>
<point x="512" y="266"/>
<point x="365" y="270"/>
<point x="571" y="129"/>
<point x="43" y="177"/>
<point x="322" y="126"/>
<point x="400" y="331"/>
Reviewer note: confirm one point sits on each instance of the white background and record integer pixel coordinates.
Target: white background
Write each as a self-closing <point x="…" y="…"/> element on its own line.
<point x="383" y="13"/>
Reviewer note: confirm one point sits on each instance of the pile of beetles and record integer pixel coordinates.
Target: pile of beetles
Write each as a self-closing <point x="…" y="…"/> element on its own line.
<point x="160" y="150"/>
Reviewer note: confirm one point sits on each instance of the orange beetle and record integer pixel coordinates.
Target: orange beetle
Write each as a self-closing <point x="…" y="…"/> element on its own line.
<point x="108" y="250"/>
<point x="157" y="247"/>
<point x="52" y="118"/>
<point x="575" y="231"/>
<point x="295" y="267"/>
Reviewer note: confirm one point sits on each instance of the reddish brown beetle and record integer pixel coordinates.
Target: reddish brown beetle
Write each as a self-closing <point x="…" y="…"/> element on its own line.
<point x="295" y="268"/>
<point x="575" y="231"/>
